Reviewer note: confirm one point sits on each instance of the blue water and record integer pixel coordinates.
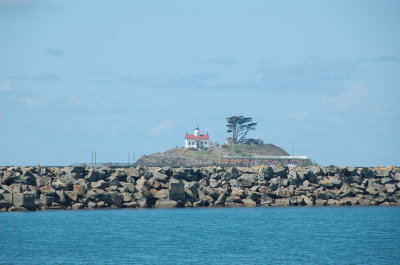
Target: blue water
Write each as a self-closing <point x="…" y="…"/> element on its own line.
<point x="302" y="235"/>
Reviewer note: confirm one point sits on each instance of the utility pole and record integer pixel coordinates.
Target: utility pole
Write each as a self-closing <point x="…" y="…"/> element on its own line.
<point x="219" y="156"/>
<point x="95" y="158"/>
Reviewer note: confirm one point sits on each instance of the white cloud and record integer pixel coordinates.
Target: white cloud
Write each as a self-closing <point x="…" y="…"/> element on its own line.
<point x="162" y="128"/>
<point x="347" y="98"/>
<point x="298" y="115"/>
<point x="30" y="102"/>
<point x="6" y="85"/>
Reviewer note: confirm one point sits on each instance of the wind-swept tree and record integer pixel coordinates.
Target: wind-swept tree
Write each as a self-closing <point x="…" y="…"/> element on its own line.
<point x="239" y="126"/>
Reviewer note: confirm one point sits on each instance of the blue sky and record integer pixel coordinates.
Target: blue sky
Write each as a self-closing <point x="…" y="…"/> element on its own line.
<point x="114" y="77"/>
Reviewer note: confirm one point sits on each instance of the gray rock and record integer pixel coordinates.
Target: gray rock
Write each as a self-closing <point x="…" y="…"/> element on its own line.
<point x="282" y="192"/>
<point x="282" y="202"/>
<point x="247" y="180"/>
<point x="101" y="184"/>
<point x="77" y="206"/>
<point x="390" y="188"/>
<point x="307" y="200"/>
<point x="114" y="181"/>
<point x="160" y="177"/>
<point x="162" y="194"/>
<point x="24" y="200"/>
<point x="72" y="196"/>
<point x="249" y="203"/>
<point x="43" y="181"/>
<point x="47" y="190"/>
<point x="265" y="173"/>
<point x="221" y="198"/>
<point x="128" y="187"/>
<point x="266" y="200"/>
<point x="80" y="189"/>
<point x="166" y="204"/>
<point x="281" y="171"/>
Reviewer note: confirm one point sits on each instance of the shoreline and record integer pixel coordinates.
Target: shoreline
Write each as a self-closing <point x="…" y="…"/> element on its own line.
<point x="79" y="187"/>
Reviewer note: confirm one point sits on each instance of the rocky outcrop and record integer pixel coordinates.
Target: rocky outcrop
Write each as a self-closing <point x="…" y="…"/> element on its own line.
<point x="34" y="188"/>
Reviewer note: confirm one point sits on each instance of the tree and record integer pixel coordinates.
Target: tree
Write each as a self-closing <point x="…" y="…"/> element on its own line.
<point x="239" y="126"/>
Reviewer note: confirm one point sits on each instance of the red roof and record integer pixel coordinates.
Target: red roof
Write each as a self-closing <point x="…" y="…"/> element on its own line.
<point x="200" y="137"/>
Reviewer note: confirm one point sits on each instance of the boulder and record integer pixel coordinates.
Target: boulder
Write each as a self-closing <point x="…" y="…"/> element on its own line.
<point x="233" y="204"/>
<point x="160" y="177"/>
<point x="25" y="200"/>
<point x="282" y="202"/>
<point x="332" y="202"/>
<point x="162" y="194"/>
<point x="45" y="200"/>
<point x="265" y="173"/>
<point x="72" y="196"/>
<point x="128" y="187"/>
<point x="221" y="198"/>
<point x="281" y="171"/>
<point x="132" y="172"/>
<point x="382" y="172"/>
<point x="282" y="192"/>
<point x="47" y="190"/>
<point x="249" y="203"/>
<point x="234" y="172"/>
<point x="133" y="204"/>
<point x="79" y="189"/>
<point x="17" y="209"/>
<point x="43" y="181"/>
<point x="266" y="200"/>
<point x="307" y="200"/>
<point x="77" y="206"/>
<point x="331" y="182"/>
<point x="114" y="181"/>
<point x="166" y="204"/>
<point x="247" y="180"/>
<point x="212" y="192"/>
<point x="390" y="188"/>
<point x="101" y="184"/>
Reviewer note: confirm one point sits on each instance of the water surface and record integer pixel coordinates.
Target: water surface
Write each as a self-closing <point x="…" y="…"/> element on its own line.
<point x="289" y="235"/>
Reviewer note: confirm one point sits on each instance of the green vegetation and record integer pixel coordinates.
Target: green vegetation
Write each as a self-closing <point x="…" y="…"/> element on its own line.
<point x="239" y="126"/>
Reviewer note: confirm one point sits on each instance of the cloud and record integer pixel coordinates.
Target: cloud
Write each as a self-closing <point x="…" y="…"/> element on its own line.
<point x="345" y="99"/>
<point x="19" y="6"/>
<point x="44" y="77"/>
<point x="54" y="52"/>
<point x="171" y="80"/>
<point x="6" y="85"/>
<point x="30" y="102"/>
<point x="381" y="59"/>
<point x="312" y="74"/>
<point x="103" y="81"/>
<point x="222" y="61"/>
<point x="162" y="128"/>
<point x="298" y="115"/>
<point x="95" y="103"/>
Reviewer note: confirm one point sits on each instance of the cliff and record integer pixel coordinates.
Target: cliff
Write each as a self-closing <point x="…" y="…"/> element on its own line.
<point x="33" y="188"/>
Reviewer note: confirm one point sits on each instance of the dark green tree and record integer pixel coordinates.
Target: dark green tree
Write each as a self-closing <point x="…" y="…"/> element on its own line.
<point x="239" y="126"/>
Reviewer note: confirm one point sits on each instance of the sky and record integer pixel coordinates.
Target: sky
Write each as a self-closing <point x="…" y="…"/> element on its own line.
<point x="119" y="77"/>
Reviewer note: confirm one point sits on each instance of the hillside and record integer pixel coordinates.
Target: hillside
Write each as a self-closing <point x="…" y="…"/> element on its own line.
<point x="213" y="156"/>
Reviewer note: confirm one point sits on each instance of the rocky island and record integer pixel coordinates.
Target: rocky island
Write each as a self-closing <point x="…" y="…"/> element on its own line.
<point x="224" y="156"/>
<point x="79" y="187"/>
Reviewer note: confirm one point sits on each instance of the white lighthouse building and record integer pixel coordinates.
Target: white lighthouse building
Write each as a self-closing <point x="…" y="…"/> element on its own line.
<point x="197" y="140"/>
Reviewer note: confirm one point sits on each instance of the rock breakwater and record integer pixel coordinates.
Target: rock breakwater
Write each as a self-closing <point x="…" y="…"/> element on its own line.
<point x="42" y="188"/>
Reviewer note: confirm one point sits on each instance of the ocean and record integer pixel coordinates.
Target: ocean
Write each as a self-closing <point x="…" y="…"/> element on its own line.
<point x="287" y="235"/>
